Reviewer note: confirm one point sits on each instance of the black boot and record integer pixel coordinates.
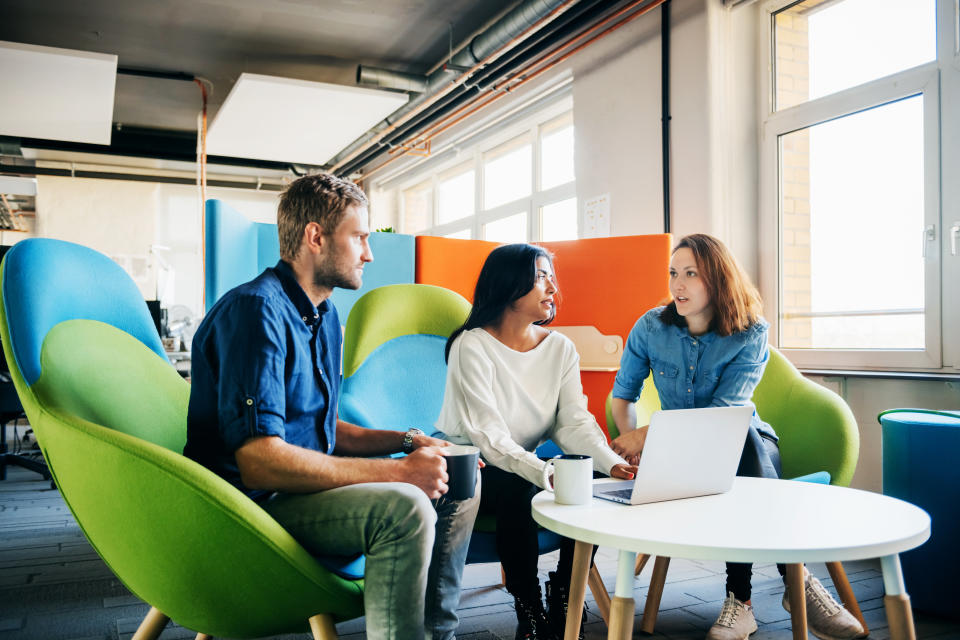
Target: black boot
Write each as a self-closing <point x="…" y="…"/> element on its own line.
<point x="532" y="623"/>
<point x="558" y="597"/>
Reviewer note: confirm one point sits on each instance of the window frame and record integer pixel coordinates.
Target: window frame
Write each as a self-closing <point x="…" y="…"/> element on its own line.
<point x="532" y="127"/>
<point x="923" y="80"/>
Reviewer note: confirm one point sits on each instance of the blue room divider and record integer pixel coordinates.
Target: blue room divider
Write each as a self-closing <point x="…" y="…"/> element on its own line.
<point x="237" y="250"/>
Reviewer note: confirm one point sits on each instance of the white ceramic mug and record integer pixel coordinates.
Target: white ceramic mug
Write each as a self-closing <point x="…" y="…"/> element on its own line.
<point x="572" y="478"/>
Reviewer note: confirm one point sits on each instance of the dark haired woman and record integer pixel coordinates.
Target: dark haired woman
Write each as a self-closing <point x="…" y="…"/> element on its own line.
<point x="511" y="385"/>
<point x="708" y="348"/>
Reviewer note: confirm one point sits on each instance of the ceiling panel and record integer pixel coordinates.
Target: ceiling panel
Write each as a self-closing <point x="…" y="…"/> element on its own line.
<point x="57" y="94"/>
<point x="270" y="118"/>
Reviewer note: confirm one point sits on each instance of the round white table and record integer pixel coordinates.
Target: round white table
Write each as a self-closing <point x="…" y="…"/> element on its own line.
<point x="758" y="520"/>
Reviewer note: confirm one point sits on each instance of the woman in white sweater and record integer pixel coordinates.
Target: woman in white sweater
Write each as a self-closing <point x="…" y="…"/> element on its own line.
<point x="511" y="385"/>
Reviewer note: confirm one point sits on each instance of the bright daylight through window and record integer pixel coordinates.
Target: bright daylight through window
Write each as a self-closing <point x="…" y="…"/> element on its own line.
<point x="854" y="135"/>
<point x="517" y="187"/>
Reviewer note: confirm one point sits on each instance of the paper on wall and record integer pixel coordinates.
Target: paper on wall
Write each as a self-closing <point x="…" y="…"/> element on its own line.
<point x="596" y="216"/>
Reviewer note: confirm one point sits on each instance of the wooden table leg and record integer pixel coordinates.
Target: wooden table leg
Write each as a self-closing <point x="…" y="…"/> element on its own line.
<point x="798" y="601"/>
<point x="578" y="588"/>
<point x="641" y="563"/>
<point x="896" y="601"/>
<point x="622" y="607"/>
<point x="600" y="595"/>
<point x="654" y="593"/>
<point x="842" y="585"/>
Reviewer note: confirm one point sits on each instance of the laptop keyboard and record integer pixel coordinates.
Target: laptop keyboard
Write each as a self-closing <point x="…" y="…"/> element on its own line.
<point x="623" y="494"/>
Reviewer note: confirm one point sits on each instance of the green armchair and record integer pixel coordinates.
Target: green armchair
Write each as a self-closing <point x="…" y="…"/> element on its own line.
<point x="110" y="415"/>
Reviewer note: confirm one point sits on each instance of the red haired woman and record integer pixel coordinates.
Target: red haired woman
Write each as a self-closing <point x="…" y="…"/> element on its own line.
<point x="708" y="348"/>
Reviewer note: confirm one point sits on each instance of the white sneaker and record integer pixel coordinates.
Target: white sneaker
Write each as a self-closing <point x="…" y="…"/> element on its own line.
<point x="735" y="622"/>
<point x="826" y="618"/>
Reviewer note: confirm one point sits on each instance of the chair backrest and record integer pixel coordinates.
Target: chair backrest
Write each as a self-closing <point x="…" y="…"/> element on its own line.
<point x="393" y="366"/>
<point x="51" y="288"/>
<point x="110" y="414"/>
<point x="817" y="429"/>
<point x="647" y="404"/>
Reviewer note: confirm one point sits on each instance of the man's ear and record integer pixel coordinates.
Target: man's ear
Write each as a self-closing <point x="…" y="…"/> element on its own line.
<point x="313" y="238"/>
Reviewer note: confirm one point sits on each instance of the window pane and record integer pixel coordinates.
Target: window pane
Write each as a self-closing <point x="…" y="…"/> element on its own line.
<point x="556" y="153"/>
<point x="507" y="173"/>
<point x="822" y="47"/>
<point x="510" y="229"/>
<point x="851" y="201"/>
<point x="455" y="195"/>
<point x="558" y="221"/>
<point x="463" y="234"/>
<point x="416" y="207"/>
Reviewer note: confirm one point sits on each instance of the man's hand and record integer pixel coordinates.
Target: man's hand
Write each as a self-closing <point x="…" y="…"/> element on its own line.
<point x="624" y="471"/>
<point x="426" y="468"/>
<point x="630" y="444"/>
<point x="423" y="440"/>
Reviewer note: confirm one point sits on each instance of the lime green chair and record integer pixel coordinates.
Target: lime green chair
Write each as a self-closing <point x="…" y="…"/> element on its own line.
<point x="110" y="415"/>
<point x="819" y="442"/>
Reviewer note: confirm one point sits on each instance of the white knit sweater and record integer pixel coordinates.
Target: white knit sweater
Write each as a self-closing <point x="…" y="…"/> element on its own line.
<point x="509" y="402"/>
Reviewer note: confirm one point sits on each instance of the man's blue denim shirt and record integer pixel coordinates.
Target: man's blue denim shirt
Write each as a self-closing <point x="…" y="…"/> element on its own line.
<point x="266" y="362"/>
<point x="693" y="371"/>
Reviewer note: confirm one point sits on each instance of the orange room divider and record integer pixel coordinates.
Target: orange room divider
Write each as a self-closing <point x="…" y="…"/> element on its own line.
<point x="604" y="282"/>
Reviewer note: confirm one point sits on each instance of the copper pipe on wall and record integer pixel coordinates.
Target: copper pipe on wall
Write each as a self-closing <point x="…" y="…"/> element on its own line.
<point x="551" y="59"/>
<point x="460" y="81"/>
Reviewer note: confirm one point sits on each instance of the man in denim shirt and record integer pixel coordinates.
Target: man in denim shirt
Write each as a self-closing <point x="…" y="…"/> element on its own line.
<point x="263" y="415"/>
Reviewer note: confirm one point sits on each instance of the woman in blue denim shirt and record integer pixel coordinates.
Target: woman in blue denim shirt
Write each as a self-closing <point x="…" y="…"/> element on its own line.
<point x="708" y="348"/>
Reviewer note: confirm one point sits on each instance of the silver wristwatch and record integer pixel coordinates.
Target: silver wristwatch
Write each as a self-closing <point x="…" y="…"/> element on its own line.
<point x="408" y="437"/>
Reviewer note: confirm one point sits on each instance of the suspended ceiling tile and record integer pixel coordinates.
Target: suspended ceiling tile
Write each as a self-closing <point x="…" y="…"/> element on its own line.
<point x="269" y="118"/>
<point x="56" y="94"/>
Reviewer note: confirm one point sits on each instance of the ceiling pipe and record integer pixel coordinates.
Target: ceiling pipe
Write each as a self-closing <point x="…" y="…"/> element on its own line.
<point x="485" y="48"/>
<point x="558" y="31"/>
<point x="513" y="81"/>
<point x="388" y="79"/>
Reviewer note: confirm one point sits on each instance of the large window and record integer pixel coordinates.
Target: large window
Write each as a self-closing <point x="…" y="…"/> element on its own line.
<point x="517" y="186"/>
<point x="850" y="185"/>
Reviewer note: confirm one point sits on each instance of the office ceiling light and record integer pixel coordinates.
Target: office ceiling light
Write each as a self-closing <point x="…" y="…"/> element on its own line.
<point x="56" y="94"/>
<point x="284" y="120"/>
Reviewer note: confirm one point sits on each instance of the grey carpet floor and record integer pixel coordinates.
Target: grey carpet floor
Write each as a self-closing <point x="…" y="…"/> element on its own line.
<point x="53" y="586"/>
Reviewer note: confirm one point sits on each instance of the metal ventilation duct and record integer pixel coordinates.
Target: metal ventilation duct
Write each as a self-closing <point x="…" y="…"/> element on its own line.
<point x="500" y="33"/>
<point x="387" y="79"/>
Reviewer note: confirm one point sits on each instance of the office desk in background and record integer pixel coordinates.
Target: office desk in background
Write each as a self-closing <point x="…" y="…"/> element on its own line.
<point x="758" y="520"/>
<point x="180" y="361"/>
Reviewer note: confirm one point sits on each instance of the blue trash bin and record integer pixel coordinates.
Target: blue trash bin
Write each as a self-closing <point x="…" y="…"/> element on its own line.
<point x="921" y="464"/>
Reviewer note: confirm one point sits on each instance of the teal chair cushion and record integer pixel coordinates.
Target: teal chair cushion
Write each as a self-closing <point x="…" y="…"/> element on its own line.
<point x="398" y="386"/>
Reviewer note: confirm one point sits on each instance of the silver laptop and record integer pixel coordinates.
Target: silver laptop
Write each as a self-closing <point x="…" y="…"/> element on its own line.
<point x="688" y="452"/>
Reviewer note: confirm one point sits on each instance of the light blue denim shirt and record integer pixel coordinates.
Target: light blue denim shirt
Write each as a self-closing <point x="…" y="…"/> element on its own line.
<point x="693" y="371"/>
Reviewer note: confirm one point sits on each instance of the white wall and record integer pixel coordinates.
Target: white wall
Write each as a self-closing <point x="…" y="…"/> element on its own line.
<point x="117" y="218"/>
<point x="143" y="226"/>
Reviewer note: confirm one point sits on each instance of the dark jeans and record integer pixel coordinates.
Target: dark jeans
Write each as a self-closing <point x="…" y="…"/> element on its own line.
<point x="740" y="573"/>
<point x="507" y="496"/>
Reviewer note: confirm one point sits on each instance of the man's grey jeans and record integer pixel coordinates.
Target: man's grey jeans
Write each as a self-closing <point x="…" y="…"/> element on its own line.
<point x="415" y="550"/>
